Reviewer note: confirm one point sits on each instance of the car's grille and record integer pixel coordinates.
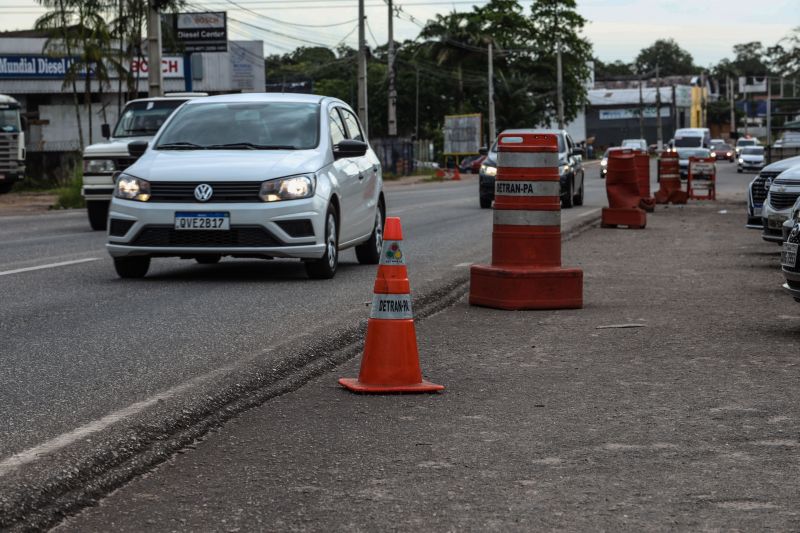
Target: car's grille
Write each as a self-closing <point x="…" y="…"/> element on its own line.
<point x="8" y="153"/>
<point x="757" y="190"/>
<point x="297" y="228"/>
<point x="782" y="200"/>
<point x="237" y="236"/>
<point x="121" y="163"/>
<point x="230" y="191"/>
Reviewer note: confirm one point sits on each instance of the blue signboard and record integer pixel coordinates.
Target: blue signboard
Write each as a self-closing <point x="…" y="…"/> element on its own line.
<point x="35" y="67"/>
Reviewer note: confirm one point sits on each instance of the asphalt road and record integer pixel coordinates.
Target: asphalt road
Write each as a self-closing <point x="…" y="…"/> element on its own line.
<point x="84" y="351"/>
<point x="79" y="343"/>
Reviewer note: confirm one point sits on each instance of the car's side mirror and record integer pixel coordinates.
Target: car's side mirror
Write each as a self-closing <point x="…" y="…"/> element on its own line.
<point x="137" y="148"/>
<point x="577" y="151"/>
<point x="347" y="148"/>
<point x="483" y="151"/>
<point x="105" y="130"/>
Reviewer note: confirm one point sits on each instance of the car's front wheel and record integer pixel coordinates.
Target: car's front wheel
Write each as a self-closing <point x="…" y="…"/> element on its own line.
<point x="369" y="252"/>
<point x="485" y="201"/>
<point x="567" y="200"/>
<point x="325" y="266"/>
<point x="579" y="196"/>
<point x="132" y="267"/>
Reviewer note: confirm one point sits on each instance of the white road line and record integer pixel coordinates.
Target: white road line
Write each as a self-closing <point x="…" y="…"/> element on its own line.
<point x="462" y="265"/>
<point x="65" y="439"/>
<point x="51" y="265"/>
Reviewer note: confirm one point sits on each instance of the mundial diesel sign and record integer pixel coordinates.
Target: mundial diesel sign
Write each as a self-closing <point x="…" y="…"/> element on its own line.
<point x="196" y="32"/>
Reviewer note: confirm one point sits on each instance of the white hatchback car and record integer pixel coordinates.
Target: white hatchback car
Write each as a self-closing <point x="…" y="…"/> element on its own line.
<point x="250" y="175"/>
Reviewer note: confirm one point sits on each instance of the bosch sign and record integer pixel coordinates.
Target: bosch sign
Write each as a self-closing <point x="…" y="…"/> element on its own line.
<point x="195" y="32"/>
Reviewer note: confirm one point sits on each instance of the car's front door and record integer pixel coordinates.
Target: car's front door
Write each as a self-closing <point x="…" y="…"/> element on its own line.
<point x="347" y="173"/>
<point x="368" y="166"/>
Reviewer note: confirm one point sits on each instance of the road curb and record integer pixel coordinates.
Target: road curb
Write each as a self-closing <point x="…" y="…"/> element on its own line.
<point x="64" y="482"/>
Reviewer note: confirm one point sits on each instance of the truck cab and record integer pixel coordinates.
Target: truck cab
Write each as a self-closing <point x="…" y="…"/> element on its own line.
<point x="139" y="121"/>
<point x="12" y="144"/>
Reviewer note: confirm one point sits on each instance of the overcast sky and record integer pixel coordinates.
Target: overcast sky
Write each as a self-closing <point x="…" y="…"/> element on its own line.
<point x="618" y="29"/>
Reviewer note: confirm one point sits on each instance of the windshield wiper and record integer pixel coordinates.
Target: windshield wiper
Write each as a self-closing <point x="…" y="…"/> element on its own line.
<point x="180" y="146"/>
<point x="250" y="146"/>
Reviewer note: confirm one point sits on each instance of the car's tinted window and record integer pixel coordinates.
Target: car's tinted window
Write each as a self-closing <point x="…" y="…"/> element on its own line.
<point x="352" y="125"/>
<point x="293" y="125"/>
<point x="753" y="150"/>
<point x="144" y="118"/>
<point x="746" y="142"/>
<point x="338" y="132"/>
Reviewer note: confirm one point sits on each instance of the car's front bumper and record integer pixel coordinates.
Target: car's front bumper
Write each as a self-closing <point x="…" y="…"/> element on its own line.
<point x="772" y="222"/>
<point x="751" y="166"/>
<point x="152" y="233"/>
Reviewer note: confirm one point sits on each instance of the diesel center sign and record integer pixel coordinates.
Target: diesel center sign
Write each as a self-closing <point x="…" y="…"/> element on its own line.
<point x="195" y="32"/>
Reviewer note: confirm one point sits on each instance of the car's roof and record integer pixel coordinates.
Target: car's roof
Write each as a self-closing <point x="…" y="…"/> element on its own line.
<point x="264" y="97"/>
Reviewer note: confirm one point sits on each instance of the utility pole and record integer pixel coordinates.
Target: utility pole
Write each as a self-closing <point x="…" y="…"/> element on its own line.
<point x="703" y="121"/>
<point x="769" y="112"/>
<point x="492" y="120"/>
<point x="154" y="84"/>
<point x="416" y="119"/>
<point x="392" y="129"/>
<point x="362" y="70"/>
<point x="733" y="113"/>
<point x="659" y="133"/>
<point x="559" y="86"/>
<point x="641" y="109"/>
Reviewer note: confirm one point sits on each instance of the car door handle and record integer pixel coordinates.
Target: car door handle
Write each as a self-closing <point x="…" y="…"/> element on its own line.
<point x="360" y="177"/>
<point x="375" y="168"/>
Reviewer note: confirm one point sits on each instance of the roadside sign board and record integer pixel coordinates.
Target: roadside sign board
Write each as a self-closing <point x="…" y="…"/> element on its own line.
<point x="462" y="134"/>
<point x="195" y="32"/>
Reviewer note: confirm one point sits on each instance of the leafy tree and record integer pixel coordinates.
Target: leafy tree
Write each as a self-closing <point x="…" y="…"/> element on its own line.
<point x="750" y="59"/>
<point x="615" y="69"/>
<point x="671" y="59"/>
<point x="785" y="55"/>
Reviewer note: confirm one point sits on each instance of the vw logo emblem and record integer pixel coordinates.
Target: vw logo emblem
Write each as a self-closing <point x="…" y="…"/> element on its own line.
<point x="203" y="192"/>
<point x="768" y="183"/>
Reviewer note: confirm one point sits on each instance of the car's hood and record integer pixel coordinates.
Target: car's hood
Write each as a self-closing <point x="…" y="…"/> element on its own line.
<point x="783" y="164"/>
<point x="113" y="147"/>
<point x="233" y="165"/>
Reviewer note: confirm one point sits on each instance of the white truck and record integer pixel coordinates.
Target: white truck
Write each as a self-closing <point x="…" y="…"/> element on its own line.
<point x="12" y="144"/>
<point x="139" y="121"/>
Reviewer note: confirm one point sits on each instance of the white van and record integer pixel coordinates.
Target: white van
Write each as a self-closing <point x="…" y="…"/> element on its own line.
<point x="692" y="138"/>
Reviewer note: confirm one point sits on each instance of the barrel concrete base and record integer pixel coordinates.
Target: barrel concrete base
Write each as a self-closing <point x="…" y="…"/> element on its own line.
<point x="517" y="288"/>
<point x="632" y="217"/>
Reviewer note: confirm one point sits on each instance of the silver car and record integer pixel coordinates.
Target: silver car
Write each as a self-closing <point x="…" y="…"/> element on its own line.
<point x="251" y="175"/>
<point x="783" y="193"/>
<point x="750" y="158"/>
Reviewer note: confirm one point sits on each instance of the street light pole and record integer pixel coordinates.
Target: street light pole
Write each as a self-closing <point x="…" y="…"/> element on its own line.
<point x="659" y="132"/>
<point x="559" y="86"/>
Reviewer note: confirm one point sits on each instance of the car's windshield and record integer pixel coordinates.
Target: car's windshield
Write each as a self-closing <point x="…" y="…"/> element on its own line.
<point x="688" y="141"/>
<point x="746" y="142"/>
<point x="721" y="147"/>
<point x="753" y="150"/>
<point x="687" y="153"/>
<point x="9" y="120"/>
<point x="243" y="125"/>
<point x="142" y="119"/>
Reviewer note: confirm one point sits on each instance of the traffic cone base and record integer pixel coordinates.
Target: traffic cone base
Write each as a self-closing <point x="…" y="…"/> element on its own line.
<point x="518" y="288"/>
<point x="632" y="217"/>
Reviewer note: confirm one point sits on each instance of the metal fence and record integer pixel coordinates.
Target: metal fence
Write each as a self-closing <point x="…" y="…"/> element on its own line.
<point x="401" y="155"/>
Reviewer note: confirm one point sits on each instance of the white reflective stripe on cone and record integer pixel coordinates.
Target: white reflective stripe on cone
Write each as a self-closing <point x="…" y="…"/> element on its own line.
<point x="392" y="253"/>
<point x="391" y="306"/>
<point x="527" y="188"/>
<point x="517" y="217"/>
<point x="527" y="159"/>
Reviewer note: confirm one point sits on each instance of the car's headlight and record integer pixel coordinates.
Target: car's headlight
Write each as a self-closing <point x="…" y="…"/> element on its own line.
<point x="713" y="154"/>
<point x="290" y="188"/>
<point x="131" y="188"/>
<point x="488" y="170"/>
<point x="98" y="166"/>
<point x="741" y="160"/>
<point x="563" y="169"/>
<point x="729" y="154"/>
<point x="603" y="162"/>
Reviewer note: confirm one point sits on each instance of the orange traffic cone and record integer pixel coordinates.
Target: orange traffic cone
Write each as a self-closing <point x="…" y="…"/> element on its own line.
<point x="391" y="359"/>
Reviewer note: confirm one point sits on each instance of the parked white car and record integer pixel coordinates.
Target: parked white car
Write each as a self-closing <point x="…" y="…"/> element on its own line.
<point x="251" y="175"/>
<point x="783" y="192"/>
